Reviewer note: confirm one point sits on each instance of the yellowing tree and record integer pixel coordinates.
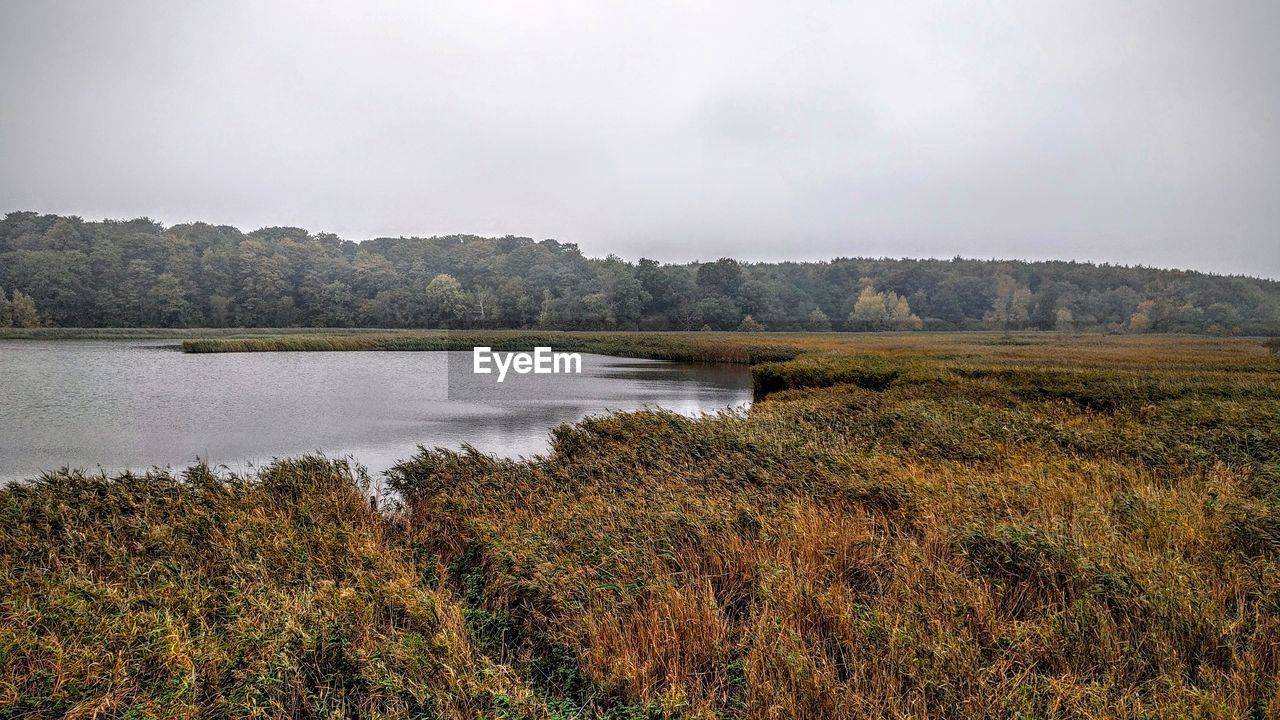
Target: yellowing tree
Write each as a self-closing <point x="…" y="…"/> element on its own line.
<point x="883" y="311"/>
<point x="22" y="311"/>
<point x="868" y="310"/>
<point x="1064" y="320"/>
<point x="818" y="321"/>
<point x="1010" y="309"/>
<point x="446" y="301"/>
<point x="1140" y="321"/>
<point x="900" y="315"/>
<point x="750" y="324"/>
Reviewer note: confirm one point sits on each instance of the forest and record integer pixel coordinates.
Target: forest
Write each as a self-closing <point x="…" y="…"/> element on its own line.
<point x="66" y="271"/>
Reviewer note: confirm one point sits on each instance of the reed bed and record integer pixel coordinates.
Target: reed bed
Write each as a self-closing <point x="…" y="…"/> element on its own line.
<point x="906" y="526"/>
<point x="689" y="347"/>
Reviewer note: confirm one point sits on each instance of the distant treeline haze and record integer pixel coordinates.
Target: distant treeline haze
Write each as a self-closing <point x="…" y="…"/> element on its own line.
<point x="66" y="271"/>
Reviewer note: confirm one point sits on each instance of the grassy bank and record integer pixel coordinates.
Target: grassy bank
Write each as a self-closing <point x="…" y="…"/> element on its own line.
<point x="908" y="526"/>
<point x="808" y="360"/>
<point x="691" y="347"/>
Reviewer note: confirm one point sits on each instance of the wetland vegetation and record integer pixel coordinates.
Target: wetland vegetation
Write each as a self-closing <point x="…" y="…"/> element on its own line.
<point x="906" y="525"/>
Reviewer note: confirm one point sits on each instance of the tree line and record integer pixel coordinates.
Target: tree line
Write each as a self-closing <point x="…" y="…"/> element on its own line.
<point x="65" y="271"/>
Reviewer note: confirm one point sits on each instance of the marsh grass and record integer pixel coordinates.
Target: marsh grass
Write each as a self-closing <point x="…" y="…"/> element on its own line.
<point x="690" y="347"/>
<point x="905" y="526"/>
<point x="203" y="595"/>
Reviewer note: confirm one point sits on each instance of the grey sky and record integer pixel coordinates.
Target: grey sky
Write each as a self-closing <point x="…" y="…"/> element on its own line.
<point x="1134" y="132"/>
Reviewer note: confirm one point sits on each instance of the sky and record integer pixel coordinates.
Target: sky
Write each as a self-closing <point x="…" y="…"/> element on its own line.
<point x="1114" y="131"/>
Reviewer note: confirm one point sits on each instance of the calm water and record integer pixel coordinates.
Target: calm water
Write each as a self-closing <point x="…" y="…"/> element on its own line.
<point x="139" y="404"/>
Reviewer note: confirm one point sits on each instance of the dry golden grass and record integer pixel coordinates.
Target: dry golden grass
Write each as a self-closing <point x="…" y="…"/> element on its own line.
<point x="938" y="526"/>
<point x="906" y="526"/>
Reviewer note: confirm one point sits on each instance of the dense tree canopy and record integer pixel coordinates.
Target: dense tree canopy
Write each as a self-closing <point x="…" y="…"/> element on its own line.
<point x="139" y="273"/>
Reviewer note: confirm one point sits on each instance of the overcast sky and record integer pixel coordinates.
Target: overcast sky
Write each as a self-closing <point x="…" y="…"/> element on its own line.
<point x="1132" y="132"/>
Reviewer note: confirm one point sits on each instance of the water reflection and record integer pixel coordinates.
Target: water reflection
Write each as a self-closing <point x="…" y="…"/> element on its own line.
<point x="134" y="404"/>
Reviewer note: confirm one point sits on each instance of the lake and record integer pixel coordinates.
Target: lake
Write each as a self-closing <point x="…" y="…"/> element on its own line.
<point x="115" y="404"/>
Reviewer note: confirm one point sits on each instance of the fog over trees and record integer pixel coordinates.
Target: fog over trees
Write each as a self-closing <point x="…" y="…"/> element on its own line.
<point x="69" y="272"/>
